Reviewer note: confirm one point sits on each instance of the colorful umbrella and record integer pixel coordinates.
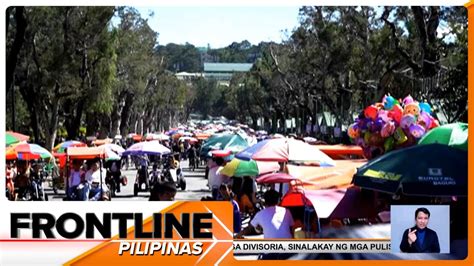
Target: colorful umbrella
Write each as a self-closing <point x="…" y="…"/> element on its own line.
<point x="284" y="150"/>
<point x="421" y="170"/>
<point x="232" y="142"/>
<point x="14" y="137"/>
<point x="454" y="135"/>
<point x="240" y="168"/>
<point x="150" y="147"/>
<point x="27" y="151"/>
<point x="67" y="144"/>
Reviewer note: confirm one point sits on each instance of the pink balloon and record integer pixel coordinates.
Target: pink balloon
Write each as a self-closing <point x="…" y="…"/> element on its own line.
<point x="383" y="114"/>
<point x="424" y="119"/>
<point x="407" y="100"/>
<point x="387" y="129"/>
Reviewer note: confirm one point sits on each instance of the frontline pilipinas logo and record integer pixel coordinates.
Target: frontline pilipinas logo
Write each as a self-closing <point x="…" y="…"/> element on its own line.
<point x="188" y="226"/>
<point x="196" y="232"/>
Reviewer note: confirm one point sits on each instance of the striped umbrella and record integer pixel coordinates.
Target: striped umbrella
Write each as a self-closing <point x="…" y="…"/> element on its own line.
<point x="67" y="144"/>
<point x="285" y="150"/>
<point x="240" y="168"/>
<point x="14" y="137"/>
<point x="27" y="151"/>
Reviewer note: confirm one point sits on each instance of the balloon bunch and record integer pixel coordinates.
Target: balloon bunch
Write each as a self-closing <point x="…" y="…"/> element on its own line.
<point x="391" y="124"/>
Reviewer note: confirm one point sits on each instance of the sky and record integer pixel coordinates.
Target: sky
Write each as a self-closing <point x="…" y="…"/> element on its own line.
<point x="220" y="26"/>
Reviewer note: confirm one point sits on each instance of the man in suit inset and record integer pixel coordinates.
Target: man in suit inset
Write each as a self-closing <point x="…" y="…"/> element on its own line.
<point x="419" y="238"/>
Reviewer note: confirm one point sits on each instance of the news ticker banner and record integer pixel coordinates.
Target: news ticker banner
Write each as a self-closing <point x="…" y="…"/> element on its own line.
<point x="312" y="246"/>
<point x="89" y="233"/>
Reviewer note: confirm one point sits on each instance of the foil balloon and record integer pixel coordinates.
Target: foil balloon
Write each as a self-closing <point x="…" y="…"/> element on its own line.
<point x="377" y="125"/>
<point x="407" y="121"/>
<point x="387" y="129"/>
<point x="383" y="114"/>
<point x="367" y="152"/>
<point x="425" y="107"/>
<point x="412" y="109"/>
<point x="434" y="123"/>
<point x="363" y="124"/>
<point x="371" y="112"/>
<point x="396" y="113"/>
<point x="370" y="126"/>
<point x="353" y="131"/>
<point x="360" y="142"/>
<point x="424" y="119"/>
<point x="417" y="131"/>
<point x="367" y="138"/>
<point x="376" y="140"/>
<point x="407" y="100"/>
<point x="389" y="102"/>
<point x="388" y="144"/>
<point x="400" y="136"/>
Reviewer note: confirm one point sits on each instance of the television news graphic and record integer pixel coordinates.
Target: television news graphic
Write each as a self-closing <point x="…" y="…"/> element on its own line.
<point x="198" y="233"/>
<point x="311" y="246"/>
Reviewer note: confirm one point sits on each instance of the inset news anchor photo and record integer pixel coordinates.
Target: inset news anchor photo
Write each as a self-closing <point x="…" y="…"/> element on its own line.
<point x="420" y="229"/>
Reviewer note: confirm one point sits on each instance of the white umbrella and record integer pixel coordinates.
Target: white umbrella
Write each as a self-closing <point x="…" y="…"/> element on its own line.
<point x="149" y="147"/>
<point x="113" y="147"/>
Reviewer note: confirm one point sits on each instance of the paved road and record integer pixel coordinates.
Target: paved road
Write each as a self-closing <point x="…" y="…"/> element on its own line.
<point x="196" y="187"/>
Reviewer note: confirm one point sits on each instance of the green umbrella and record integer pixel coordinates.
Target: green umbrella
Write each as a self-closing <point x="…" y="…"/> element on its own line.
<point x="239" y="168"/>
<point x="454" y="135"/>
<point x="421" y="170"/>
<point x="14" y="137"/>
<point x="232" y="142"/>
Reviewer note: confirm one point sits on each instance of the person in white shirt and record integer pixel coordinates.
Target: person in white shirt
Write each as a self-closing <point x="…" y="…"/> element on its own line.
<point x="93" y="179"/>
<point x="75" y="178"/>
<point x="215" y="178"/>
<point x="275" y="221"/>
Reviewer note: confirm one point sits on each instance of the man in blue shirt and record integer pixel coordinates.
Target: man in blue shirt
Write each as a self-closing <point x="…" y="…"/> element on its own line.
<point x="420" y="239"/>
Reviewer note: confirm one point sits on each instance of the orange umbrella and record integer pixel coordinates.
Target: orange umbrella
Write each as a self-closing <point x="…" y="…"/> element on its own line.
<point x="314" y="178"/>
<point x="99" y="142"/>
<point x="86" y="153"/>
<point x="202" y="136"/>
<point x="339" y="150"/>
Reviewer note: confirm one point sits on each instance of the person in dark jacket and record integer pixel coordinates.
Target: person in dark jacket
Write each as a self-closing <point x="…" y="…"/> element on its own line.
<point x="419" y="238"/>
